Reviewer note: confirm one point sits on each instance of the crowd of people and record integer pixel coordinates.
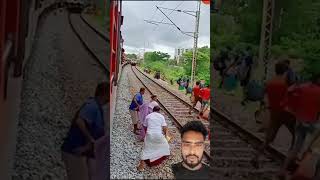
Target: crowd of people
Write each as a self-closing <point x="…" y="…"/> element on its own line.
<point x="297" y="106"/>
<point x="150" y="126"/>
<point x="289" y="100"/>
<point x="233" y="66"/>
<point x="200" y="94"/>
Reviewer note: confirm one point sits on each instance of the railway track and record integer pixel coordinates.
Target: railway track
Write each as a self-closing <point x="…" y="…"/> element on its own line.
<point x="173" y="105"/>
<point x="93" y="41"/>
<point x="234" y="146"/>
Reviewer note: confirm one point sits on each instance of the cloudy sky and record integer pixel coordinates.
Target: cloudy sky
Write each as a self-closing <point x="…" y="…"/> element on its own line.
<point x="137" y="33"/>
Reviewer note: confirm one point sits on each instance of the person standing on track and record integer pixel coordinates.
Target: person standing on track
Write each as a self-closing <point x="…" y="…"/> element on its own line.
<point x="205" y="99"/>
<point x="195" y="98"/>
<point x="276" y="90"/>
<point x="145" y="110"/>
<point x="136" y="102"/>
<point x="193" y="136"/>
<point x="84" y="136"/>
<point x="156" y="147"/>
<point x="307" y="113"/>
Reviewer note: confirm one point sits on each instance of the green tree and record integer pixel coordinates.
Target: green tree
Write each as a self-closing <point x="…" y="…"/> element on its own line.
<point x="132" y="56"/>
<point x="156" y="56"/>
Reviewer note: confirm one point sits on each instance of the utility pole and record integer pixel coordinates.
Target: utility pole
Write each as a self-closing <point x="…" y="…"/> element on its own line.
<point x="195" y="45"/>
<point x="266" y="35"/>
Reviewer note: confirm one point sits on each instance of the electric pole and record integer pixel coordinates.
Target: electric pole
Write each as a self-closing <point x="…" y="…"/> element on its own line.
<point x="266" y="35"/>
<point x="195" y="45"/>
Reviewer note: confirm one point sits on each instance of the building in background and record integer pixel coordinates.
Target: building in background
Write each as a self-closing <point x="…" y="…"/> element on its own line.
<point x="178" y="52"/>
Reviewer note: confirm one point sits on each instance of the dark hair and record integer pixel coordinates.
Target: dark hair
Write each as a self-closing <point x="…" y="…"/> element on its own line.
<point x="153" y="96"/>
<point x="280" y="68"/>
<point x="102" y="89"/>
<point x="142" y="89"/>
<point x="156" y="109"/>
<point x="198" y="83"/>
<point x="196" y="126"/>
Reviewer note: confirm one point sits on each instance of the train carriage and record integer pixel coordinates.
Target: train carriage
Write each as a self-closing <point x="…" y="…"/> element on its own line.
<point x="116" y="49"/>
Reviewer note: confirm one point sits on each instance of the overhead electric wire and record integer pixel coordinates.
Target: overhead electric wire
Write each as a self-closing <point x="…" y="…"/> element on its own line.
<point x="174" y="23"/>
<point x="179" y="10"/>
<point x="169" y="13"/>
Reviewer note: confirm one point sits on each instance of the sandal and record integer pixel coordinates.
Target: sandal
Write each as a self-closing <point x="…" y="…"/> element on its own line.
<point x="139" y="168"/>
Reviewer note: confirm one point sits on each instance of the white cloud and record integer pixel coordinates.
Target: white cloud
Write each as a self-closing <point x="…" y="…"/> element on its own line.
<point x="138" y="34"/>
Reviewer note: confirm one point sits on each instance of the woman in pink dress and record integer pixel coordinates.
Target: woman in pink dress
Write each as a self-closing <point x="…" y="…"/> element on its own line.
<point x="146" y="109"/>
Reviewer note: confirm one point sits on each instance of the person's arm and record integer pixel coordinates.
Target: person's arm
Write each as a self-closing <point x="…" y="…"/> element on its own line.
<point x="81" y="124"/>
<point x="135" y="99"/>
<point x="165" y="130"/>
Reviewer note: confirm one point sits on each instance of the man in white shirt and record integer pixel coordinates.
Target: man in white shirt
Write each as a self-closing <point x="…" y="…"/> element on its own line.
<point x="156" y="146"/>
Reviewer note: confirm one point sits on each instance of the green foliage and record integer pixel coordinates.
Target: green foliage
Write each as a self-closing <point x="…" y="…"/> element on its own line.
<point x="296" y="29"/>
<point x="158" y="61"/>
<point x="132" y="56"/>
<point x="156" y="56"/>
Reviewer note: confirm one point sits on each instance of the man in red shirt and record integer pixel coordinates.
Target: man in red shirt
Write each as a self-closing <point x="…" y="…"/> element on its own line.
<point x="205" y="97"/>
<point x="306" y="109"/>
<point x="276" y="89"/>
<point x="195" y="95"/>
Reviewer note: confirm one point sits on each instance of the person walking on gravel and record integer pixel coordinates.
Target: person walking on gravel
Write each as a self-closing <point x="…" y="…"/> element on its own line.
<point x="156" y="146"/>
<point x="79" y="148"/>
<point x="307" y="113"/>
<point x="136" y="102"/>
<point x="276" y="90"/>
<point x="195" y="98"/>
<point x="205" y="99"/>
<point x="193" y="136"/>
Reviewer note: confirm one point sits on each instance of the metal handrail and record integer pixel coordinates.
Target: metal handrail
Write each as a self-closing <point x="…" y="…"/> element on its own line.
<point x="7" y="49"/>
<point x="6" y="53"/>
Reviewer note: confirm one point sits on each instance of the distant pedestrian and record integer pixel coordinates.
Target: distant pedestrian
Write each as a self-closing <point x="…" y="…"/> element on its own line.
<point x="136" y="102"/>
<point x="291" y="75"/>
<point x="87" y="127"/>
<point x="195" y="98"/>
<point x="187" y="86"/>
<point x="205" y="99"/>
<point x="202" y="83"/>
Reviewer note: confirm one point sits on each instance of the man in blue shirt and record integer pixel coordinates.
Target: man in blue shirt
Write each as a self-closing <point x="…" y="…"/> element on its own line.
<point x="136" y="102"/>
<point x="86" y="128"/>
<point x="291" y="76"/>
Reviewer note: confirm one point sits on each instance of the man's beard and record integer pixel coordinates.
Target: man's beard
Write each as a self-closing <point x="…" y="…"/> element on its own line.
<point x="192" y="165"/>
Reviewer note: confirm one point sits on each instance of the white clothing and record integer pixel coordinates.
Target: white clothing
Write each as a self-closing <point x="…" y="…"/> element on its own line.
<point x="155" y="147"/>
<point x="153" y="104"/>
<point x="154" y="122"/>
<point x="155" y="143"/>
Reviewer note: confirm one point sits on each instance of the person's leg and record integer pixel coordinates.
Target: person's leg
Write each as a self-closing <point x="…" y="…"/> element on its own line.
<point x="76" y="167"/>
<point x="300" y="133"/>
<point x="317" y="170"/>
<point x="270" y="134"/>
<point x="134" y="117"/>
<point x="290" y="123"/>
<point x="203" y="104"/>
<point x="141" y="165"/>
